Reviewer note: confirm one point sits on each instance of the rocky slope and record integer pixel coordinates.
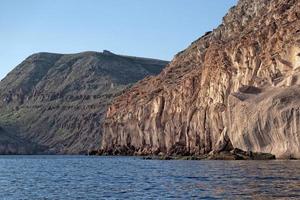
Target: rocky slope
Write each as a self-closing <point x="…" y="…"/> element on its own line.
<point x="55" y="103"/>
<point x="12" y="144"/>
<point x="235" y="87"/>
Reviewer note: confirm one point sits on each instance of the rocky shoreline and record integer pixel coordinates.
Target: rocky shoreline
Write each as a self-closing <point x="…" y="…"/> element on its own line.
<point x="235" y="154"/>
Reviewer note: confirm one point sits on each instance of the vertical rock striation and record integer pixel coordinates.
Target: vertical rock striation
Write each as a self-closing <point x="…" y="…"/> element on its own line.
<point x="235" y="87"/>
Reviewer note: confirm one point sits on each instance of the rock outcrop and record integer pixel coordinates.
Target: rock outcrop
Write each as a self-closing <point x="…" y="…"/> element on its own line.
<point x="235" y="87"/>
<point x="55" y="103"/>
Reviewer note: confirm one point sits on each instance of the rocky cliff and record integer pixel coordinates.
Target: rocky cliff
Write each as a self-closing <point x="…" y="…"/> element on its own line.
<point x="235" y="87"/>
<point x="55" y="103"/>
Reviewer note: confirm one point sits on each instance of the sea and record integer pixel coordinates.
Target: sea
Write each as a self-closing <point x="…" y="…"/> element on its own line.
<point x="92" y="177"/>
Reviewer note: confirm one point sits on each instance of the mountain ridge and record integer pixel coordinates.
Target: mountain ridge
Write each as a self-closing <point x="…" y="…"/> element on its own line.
<point x="57" y="101"/>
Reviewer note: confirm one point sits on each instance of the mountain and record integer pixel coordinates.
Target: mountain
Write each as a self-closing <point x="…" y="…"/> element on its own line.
<point x="236" y="87"/>
<point x="55" y="103"/>
<point x="10" y="144"/>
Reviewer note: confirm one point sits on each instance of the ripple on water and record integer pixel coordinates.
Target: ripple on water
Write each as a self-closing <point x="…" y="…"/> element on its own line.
<point x="80" y="177"/>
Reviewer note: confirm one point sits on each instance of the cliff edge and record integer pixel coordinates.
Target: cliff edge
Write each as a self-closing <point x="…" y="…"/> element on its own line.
<point x="235" y="87"/>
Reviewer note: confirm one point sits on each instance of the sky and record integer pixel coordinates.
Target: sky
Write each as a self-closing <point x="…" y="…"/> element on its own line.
<point x="145" y="28"/>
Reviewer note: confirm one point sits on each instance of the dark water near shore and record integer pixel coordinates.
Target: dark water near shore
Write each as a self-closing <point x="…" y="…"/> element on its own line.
<point x="79" y="177"/>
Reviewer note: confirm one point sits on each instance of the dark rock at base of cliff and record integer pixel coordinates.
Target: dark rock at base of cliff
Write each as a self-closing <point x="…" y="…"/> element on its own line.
<point x="92" y="153"/>
<point x="117" y="151"/>
<point x="179" y="150"/>
<point x="179" y="153"/>
<point x="167" y="157"/>
<point x="238" y="154"/>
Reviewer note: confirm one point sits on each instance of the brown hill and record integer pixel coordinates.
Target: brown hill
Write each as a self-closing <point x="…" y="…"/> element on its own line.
<point x="57" y="101"/>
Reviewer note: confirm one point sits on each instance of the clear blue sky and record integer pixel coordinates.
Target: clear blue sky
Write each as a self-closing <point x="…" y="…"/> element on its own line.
<point x="148" y="28"/>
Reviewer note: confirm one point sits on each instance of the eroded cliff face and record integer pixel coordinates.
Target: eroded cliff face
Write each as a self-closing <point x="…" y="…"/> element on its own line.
<point x="235" y="87"/>
<point x="56" y="103"/>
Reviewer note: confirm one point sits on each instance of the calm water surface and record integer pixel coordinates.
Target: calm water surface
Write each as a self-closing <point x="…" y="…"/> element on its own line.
<point x="79" y="177"/>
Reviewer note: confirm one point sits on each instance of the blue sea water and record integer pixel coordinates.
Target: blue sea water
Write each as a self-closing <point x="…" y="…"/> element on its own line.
<point x="83" y="177"/>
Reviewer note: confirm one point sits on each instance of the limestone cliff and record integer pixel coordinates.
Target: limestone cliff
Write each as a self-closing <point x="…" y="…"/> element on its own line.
<point x="235" y="87"/>
<point x="55" y="103"/>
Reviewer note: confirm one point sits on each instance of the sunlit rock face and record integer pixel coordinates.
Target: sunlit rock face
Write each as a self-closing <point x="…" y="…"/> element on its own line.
<point x="237" y="85"/>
